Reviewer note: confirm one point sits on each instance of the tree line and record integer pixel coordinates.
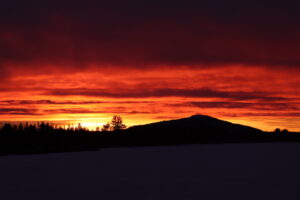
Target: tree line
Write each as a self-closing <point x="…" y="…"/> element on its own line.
<point x="8" y="129"/>
<point x="44" y="137"/>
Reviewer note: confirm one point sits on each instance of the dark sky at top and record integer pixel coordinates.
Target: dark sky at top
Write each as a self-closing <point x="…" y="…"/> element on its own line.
<point x="152" y="32"/>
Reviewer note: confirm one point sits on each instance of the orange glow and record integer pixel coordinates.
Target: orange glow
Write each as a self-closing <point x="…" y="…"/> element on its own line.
<point x="235" y="93"/>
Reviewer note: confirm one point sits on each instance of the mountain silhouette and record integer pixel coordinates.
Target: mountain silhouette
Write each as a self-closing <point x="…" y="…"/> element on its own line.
<point x="194" y="129"/>
<point x="197" y="129"/>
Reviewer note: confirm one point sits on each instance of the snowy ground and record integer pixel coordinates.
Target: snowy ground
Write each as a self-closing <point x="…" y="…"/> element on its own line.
<point x="229" y="171"/>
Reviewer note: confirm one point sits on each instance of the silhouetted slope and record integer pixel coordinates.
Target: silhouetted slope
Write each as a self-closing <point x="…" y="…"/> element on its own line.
<point x="197" y="128"/>
<point x="192" y="130"/>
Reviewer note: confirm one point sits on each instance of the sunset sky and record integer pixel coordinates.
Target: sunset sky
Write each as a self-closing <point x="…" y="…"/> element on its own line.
<point x="69" y="61"/>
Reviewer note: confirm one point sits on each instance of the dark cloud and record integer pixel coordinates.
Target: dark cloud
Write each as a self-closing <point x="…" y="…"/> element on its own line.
<point x="52" y="102"/>
<point x="264" y="114"/>
<point x="164" y="92"/>
<point x="267" y="106"/>
<point x="18" y="111"/>
<point x="77" y="34"/>
<point x="90" y="111"/>
<point x="33" y="111"/>
<point x="70" y="111"/>
<point x="29" y="102"/>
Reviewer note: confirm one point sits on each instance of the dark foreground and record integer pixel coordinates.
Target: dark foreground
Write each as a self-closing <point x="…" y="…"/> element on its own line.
<point x="197" y="129"/>
<point x="220" y="171"/>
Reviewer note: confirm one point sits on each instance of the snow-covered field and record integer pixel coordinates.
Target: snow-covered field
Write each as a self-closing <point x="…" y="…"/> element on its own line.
<point x="228" y="171"/>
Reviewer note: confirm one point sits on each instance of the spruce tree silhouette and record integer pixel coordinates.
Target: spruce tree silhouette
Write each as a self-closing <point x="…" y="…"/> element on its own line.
<point x="117" y="123"/>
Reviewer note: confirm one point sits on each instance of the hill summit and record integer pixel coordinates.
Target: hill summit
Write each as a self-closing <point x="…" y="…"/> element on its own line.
<point x="196" y="128"/>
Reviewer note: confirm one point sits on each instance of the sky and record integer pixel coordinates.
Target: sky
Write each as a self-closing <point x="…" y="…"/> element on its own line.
<point x="84" y="61"/>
